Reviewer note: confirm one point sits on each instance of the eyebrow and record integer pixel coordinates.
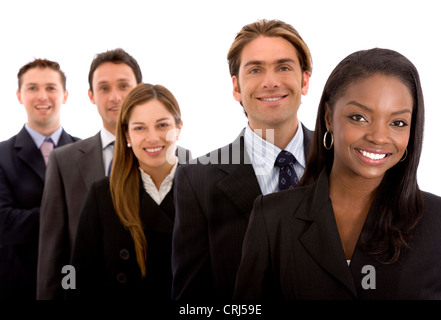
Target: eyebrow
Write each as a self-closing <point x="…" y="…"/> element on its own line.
<point x="280" y="61"/>
<point x="140" y="122"/>
<point x="355" y="103"/>
<point x="118" y="80"/>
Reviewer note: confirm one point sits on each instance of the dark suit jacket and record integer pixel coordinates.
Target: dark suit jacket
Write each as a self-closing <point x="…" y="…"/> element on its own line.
<point x="104" y="253"/>
<point x="292" y="250"/>
<point x="70" y="173"/>
<point x="22" y="176"/>
<point x="213" y="204"/>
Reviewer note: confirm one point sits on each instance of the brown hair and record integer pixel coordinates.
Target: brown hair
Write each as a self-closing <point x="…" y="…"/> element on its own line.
<point x="114" y="56"/>
<point x="268" y="28"/>
<point x="42" y="64"/>
<point x="125" y="175"/>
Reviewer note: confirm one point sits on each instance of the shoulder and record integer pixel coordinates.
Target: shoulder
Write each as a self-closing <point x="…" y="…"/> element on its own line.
<point x="77" y="144"/>
<point x="101" y="185"/>
<point x="207" y="160"/>
<point x="432" y="203"/>
<point x="6" y="144"/>
<point x="281" y="200"/>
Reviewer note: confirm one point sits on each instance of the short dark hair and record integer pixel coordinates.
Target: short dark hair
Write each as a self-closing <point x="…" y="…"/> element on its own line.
<point x="42" y="64"/>
<point x="115" y="56"/>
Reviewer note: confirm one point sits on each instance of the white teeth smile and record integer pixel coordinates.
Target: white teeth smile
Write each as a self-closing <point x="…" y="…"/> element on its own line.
<point x="42" y="107"/>
<point x="373" y="156"/>
<point x="271" y="99"/>
<point x="153" y="149"/>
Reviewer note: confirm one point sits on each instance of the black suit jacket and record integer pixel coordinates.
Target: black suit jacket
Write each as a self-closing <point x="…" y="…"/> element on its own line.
<point x="213" y="197"/>
<point x="292" y="250"/>
<point x="22" y="175"/>
<point x="104" y="255"/>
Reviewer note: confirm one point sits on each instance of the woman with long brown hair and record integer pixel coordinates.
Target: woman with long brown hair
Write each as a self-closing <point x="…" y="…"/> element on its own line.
<point x="123" y="244"/>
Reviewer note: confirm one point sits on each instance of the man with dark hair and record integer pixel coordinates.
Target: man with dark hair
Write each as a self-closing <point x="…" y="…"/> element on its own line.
<point x="270" y="66"/>
<point x="73" y="169"/>
<point x="42" y="91"/>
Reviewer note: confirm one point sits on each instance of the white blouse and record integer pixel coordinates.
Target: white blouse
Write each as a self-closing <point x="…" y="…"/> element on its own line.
<point x="166" y="185"/>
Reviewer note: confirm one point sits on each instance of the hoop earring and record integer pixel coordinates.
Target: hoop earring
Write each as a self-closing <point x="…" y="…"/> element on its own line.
<point x="324" y="140"/>
<point x="405" y="156"/>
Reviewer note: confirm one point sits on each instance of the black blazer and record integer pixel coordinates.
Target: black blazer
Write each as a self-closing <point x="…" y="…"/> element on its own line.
<point x="213" y="204"/>
<point x="104" y="255"/>
<point x="22" y="175"/>
<point x="292" y="250"/>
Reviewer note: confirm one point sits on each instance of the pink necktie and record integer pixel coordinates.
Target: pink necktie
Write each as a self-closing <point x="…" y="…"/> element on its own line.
<point x="46" y="149"/>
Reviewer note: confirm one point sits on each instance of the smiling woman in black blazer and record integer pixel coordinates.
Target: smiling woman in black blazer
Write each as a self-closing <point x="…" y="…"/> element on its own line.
<point x="123" y="244"/>
<point x="359" y="227"/>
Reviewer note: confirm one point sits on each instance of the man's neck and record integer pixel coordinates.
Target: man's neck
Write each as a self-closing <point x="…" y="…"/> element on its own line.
<point x="45" y="130"/>
<point x="280" y="137"/>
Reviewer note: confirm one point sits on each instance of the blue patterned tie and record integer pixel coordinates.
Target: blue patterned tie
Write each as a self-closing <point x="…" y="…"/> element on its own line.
<point x="287" y="177"/>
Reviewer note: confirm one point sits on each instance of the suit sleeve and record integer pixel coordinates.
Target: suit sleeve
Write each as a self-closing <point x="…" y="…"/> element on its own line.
<point x="190" y="244"/>
<point x="253" y="277"/>
<point x="53" y="238"/>
<point x="17" y="225"/>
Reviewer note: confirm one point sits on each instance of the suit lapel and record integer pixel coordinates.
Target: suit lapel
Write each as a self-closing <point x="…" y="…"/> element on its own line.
<point x="29" y="153"/>
<point x="90" y="160"/>
<point x="321" y="239"/>
<point x="240" y="184"/>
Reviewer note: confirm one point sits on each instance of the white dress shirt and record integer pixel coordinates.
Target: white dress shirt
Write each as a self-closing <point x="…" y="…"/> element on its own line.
<point x="106" y="141"/>
<point x="263" y="155"/>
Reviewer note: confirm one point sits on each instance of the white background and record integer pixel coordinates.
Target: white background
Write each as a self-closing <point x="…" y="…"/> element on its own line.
<point x="183" y="46"/>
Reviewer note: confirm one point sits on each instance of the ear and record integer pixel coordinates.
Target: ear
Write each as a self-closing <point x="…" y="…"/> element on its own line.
<point x="328" y="117"/>
<point x="178" y="130"/>
<point x="66" y="94"/>
<point x="19" y="96"/>
<point x="305" y="83"/>
<point x="90" y="93"/>
<point x="126" y="134"/>
<point x="236" y="89"/>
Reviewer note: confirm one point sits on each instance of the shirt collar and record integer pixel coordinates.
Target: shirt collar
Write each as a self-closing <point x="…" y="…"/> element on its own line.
<point x="265" y="152"/>
<point x="106" y="137"/>
<point x="38" y="138"/>
<point x="166" y="185"/>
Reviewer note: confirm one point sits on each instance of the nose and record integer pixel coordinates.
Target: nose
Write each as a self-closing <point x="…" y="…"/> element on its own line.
<point x="378" y="133"/>
<point x="115" y="96"/>
<point x="271" y="80"/>
<point x="42" y="95"/>
<point x="151" y="136"/>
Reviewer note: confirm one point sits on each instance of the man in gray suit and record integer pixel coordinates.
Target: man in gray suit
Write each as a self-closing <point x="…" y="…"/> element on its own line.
<point x="73" y="170"/>
<point x="270" y="66"/>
